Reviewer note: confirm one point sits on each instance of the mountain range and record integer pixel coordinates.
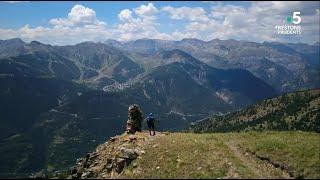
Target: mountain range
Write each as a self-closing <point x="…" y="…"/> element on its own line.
<point x="58" y="102"/>
<point x="285" y="66"/>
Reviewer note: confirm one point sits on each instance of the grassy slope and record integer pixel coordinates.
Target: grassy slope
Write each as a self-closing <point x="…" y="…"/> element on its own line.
<point x="188" y="155"/>
<point x="299" y="150"/>
<point x="291" y="111"/>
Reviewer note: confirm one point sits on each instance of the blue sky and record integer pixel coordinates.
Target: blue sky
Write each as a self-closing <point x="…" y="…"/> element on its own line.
<point x="38" y="13"/>
<point x="52" y="22"/>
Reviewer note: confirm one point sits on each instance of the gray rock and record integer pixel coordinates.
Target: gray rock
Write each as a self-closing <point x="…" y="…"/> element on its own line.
<point x="93" y="156"/>
<point x="119" y="165"/>
<point x="112" y="139"/>
<point x="79" y="160"/>
<point x="129" y="153"/>
<point x="109" y="165"/>
<point x="87" y="174"/>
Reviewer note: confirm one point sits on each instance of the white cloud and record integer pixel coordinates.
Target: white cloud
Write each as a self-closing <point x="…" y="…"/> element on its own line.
<point x="125" y="15"/>
<point x="177" y="35"/>
<point x="79" y="15"/>
<point x="224" y="21"/>
<point x="80" y="25"/>
<point x="192" y="14"/>
<point x="253" y="23"/>
<point x="55" y="35"/>
<point x="146" y="10"/>
<point x="139" y="23"/>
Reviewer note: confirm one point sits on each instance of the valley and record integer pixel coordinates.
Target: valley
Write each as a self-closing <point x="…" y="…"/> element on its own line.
<point x="60" y="102"/>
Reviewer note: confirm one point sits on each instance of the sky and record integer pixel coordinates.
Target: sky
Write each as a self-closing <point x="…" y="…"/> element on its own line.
<point x="66" y="23"/>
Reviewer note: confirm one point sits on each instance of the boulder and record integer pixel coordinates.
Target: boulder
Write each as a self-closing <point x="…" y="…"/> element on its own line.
<point x="129" y="153"/>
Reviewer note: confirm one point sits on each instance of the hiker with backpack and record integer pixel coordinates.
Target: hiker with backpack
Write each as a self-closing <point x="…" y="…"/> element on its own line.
<point x="150" y="122"/>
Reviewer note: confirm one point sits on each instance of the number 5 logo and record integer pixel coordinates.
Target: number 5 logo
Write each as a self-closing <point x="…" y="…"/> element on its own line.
<point x="296" y="18"/>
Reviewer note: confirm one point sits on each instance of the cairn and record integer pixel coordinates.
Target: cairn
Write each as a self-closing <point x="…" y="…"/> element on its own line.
<point x="134" y="119"/>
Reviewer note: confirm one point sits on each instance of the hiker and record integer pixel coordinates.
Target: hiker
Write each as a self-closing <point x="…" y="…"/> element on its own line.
<point x="150" y="123"/>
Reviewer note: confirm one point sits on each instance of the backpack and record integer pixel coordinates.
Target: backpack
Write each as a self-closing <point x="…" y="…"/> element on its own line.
<point x="150" y="119"/>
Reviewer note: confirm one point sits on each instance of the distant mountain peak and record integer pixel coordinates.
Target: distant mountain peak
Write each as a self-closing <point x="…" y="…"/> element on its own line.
<point x="112" y="42"/>
<point x="90" y="43"/>
<point x="192" y="39"/>
<point x="37" y="43"/>
<point x="13" y="41"/>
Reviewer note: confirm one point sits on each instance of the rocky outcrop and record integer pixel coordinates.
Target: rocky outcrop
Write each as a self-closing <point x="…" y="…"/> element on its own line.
<point x="110" y="158"/>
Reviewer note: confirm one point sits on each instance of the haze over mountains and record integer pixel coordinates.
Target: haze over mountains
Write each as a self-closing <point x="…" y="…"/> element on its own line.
<point x="57" y="102"/>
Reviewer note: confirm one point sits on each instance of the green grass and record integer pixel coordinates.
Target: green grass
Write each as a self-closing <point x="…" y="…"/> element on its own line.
<point x="188" y="155"/>
<point x="180" y="155"/>
<point x="299" y="150"/>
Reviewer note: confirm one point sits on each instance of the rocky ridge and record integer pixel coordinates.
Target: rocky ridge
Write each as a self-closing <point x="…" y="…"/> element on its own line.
<point x="110" y="159"/>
